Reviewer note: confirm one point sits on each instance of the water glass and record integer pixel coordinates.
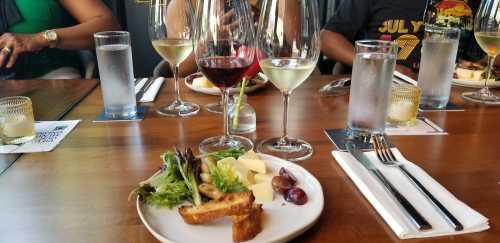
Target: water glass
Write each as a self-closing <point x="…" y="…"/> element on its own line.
<point x="403" y="107"/>
<point x="372" y="75"/>
<point x="437" y="64"/>
<point x="114" y="56"/>
<point x="17" y="124"/>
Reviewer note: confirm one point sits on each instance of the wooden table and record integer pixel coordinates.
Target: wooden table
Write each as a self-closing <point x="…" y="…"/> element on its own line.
<point x="78" y="193"/>
<point x="51" y="99"/>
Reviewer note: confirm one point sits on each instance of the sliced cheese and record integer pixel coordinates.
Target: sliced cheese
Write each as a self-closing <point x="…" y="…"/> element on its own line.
<point x="256" y="165"/>
<point x="259" y="178"/>
<point x="263" y="192"/>
<point x="202" y="82"/>
<point x="240" y="170"/>
<point x="249" y="155"/>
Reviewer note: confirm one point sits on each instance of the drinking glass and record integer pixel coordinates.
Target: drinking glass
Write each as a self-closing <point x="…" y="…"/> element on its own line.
<point x="437" y="65"/>
<point x="114" y="57"/>
<point x="288" y="50"/>
<point x="372" y="74"/>
<point x="487" y="33"/>
<point x="224" y="50"/>
<point x="171" y="32"/>
<point x="17" y="124"/>
<point x="403" y="107"/>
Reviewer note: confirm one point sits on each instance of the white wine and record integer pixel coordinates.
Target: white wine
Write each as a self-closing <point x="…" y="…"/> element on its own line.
<point x="287" y="73"/>
<point x="489" y="42"/>
<point x="173" y="51"/>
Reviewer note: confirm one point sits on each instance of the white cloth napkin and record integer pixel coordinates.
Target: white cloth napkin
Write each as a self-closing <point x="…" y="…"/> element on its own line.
<point x="151" y="93"/>
<point x="390" y="211"/>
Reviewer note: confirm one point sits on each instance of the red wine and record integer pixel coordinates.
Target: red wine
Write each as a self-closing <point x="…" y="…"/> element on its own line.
<point x="223" y="72"/>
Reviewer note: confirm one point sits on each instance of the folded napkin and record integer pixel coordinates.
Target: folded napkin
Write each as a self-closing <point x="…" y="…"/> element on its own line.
<point x="390" y="211"/>
<point x="151" y="93"/>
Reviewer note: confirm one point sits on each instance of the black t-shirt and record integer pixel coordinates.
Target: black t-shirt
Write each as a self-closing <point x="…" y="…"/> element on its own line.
<point x="397" y="20"/>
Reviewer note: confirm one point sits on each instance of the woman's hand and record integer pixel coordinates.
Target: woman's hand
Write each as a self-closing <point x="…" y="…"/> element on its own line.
<point x="12" y="45"/>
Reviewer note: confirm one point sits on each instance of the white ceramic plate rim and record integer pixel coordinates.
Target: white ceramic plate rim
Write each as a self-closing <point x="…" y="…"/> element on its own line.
<point x="476" y="83"/>
<point x="283" y="163"/>
<point x="216" y="91"/>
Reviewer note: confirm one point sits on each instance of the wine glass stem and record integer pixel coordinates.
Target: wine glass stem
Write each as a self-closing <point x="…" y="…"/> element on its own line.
<point x="225" y="101"/>
<point x="175" y="69"/>
<point x="284" y="139"/>
<point x="485" y="89"/>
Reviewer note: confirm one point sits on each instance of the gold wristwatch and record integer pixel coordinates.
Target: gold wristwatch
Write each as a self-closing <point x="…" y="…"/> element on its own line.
<point x="51" y="37"/>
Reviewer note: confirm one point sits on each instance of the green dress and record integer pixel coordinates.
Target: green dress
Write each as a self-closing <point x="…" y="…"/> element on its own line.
<point x="38" y="16"/>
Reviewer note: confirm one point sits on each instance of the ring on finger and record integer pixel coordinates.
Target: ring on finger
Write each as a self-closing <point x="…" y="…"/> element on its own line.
<point x="6" y="50"/>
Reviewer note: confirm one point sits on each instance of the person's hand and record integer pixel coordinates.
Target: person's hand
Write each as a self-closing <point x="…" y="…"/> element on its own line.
<point x="12" y="45"/>
<point x="406" y="71"/>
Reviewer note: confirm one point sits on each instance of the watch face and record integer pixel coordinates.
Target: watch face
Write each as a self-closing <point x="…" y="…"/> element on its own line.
<point x="52" y="35"/>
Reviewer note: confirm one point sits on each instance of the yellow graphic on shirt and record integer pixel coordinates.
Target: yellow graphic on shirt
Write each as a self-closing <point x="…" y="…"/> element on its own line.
<point x="406" y="43"/>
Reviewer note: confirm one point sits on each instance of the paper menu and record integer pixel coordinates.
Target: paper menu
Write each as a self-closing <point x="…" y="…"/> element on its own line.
<point x="48" y="135"/>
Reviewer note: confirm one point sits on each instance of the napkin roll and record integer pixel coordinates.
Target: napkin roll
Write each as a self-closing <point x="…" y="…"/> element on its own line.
<point x="393" y="214"/>
<point x="150" y="94"/>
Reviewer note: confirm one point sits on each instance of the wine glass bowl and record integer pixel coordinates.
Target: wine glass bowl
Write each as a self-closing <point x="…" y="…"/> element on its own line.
<point x="171" y="33"/>
<point x="224" y="50"/>
<point x="487" y="34"/>
<point x="288" y="50"/>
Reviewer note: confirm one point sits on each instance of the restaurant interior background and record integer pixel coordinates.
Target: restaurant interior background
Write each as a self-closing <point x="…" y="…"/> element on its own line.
<point x="133" y="16"/>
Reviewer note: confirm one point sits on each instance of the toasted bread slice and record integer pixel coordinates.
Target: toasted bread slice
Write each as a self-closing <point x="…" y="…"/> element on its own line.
<point x="247" y="226"/>
<point x="229" y="204"/>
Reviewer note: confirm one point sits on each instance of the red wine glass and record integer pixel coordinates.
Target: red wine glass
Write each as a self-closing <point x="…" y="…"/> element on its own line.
<point x="224" y="50"/>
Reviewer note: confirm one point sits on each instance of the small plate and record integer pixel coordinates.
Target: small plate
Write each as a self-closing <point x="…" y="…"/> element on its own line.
<point x="259" y="82"/>
<point x="282" y="221"/>
<point x="476" y="83"/>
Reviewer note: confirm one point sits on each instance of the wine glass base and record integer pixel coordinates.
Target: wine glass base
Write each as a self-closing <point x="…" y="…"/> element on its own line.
<point x="179" y="109"/>
<point x="215" y="108"/>
<point x="482" y="96"/>
<point x="294" y="150"/>
<point x="219" y="143"/>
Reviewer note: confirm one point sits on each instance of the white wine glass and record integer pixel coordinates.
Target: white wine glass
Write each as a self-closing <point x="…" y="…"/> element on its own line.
<point x="487" y="33"/>
<point x="224" y="51"/>
<point x="171" y="32"/>
<point x="288" y="50"/>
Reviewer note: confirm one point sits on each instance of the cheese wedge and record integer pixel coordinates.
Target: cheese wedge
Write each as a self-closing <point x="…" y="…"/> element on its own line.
<point x="202" y="82"/>
<point x="256" y="165"/>
<point x="263" y="192"/>
<point x="259" y="178"/>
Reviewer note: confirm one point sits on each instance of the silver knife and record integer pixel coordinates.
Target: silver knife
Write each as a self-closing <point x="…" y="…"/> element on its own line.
<point x="143" y="89"/>
<point x="416" y="218"/>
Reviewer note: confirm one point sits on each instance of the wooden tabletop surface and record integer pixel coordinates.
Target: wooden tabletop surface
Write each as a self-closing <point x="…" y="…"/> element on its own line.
<point x="78" y="193"/>
<point x="51" y="99"/>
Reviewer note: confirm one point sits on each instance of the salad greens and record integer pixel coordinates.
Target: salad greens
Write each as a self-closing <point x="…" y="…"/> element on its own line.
<point x="225" y="179"/>
<point x="232" y="152"/>
<point x="176" y="183"/>
<point x="179" y="178"/>
<point x="190" y="169"/>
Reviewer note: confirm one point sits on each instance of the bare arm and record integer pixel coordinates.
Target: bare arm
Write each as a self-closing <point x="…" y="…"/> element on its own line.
<point x="93" y="17"/>
<point x="336" y="47"/>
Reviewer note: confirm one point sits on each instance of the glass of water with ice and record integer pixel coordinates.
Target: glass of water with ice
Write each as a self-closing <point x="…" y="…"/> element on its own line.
<point x="114" y="56"/>
<point x="437" y="64"/>
<point x="372" y="75"/>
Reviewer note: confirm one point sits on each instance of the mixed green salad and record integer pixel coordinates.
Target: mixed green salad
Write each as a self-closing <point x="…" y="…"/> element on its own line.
<point x="179" y="178"/>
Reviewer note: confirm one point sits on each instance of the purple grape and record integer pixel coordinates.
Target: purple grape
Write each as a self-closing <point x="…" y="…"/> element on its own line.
<point x="296" y="196"/>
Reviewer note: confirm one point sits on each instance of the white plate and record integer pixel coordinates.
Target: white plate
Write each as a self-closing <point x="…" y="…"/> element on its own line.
<point x="262" y="81"/>
<point x="282" y="221"/>
<point x="476" y="83"/>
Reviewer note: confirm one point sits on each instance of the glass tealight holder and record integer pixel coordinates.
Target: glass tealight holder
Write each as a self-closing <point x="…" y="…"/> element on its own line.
<point x="17" y="124"/>
<point x="403" y="106"/>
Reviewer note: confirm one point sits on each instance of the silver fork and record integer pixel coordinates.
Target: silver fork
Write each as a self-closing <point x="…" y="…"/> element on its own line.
<point x="386" y="156"/>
